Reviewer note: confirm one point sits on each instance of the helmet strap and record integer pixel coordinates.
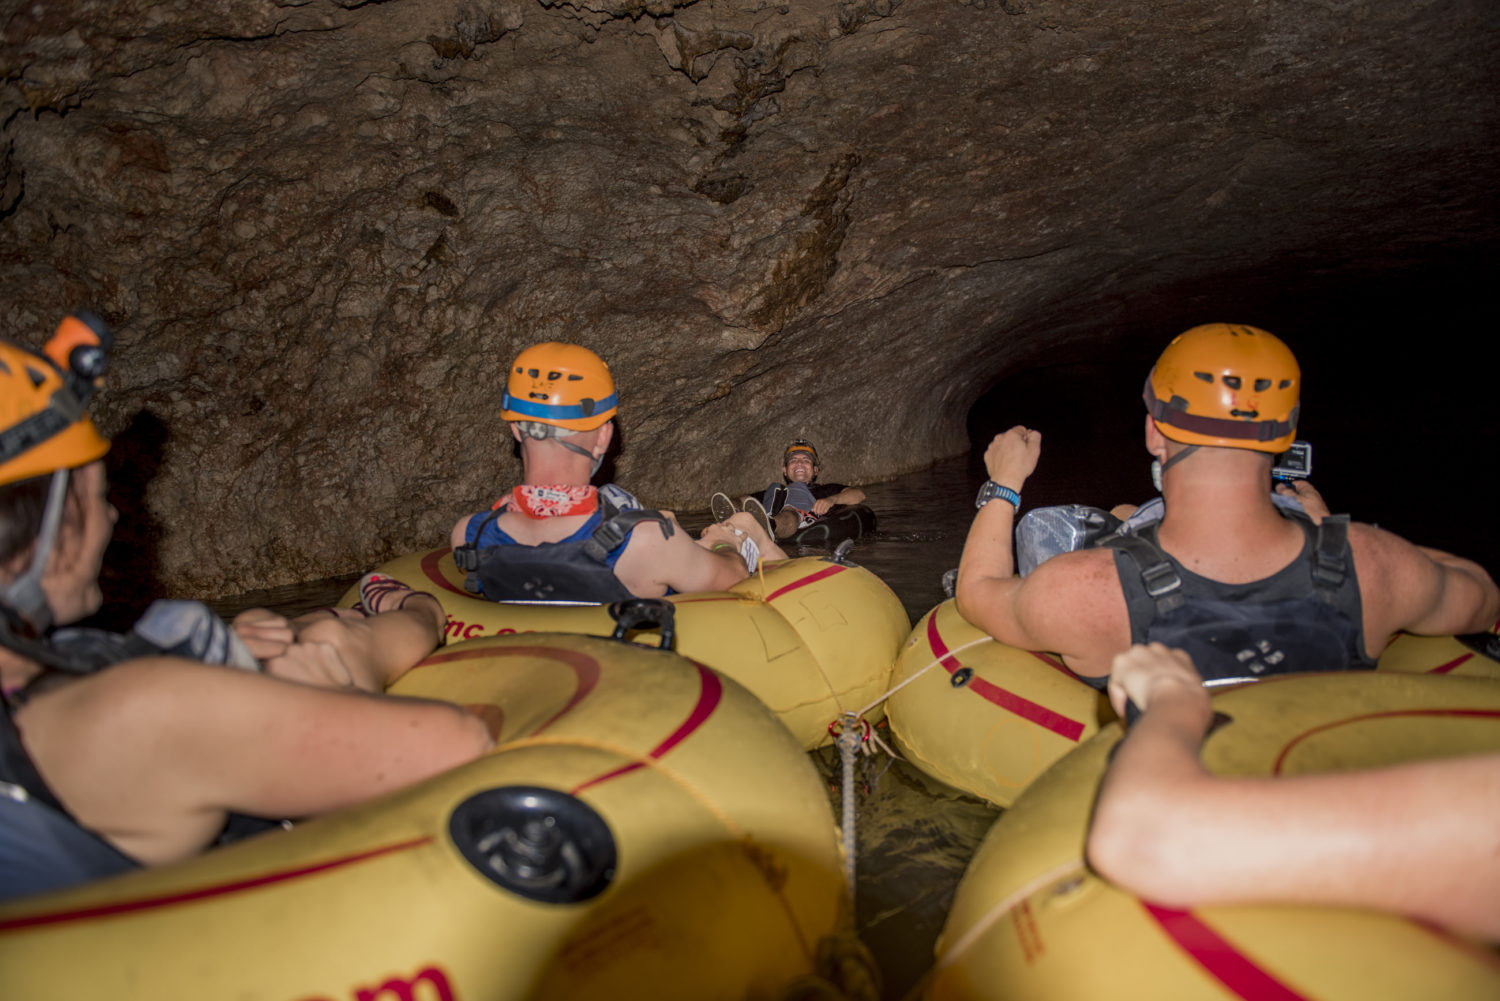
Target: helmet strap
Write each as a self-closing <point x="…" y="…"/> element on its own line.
<point x="1158" y="467"/>
<point x="541" y="432"/>
<point x="24" y="595"/>
<point x="597" y="460"/>
<point x="1174" y="460"/>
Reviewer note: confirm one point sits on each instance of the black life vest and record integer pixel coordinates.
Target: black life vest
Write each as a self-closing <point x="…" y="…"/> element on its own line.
<point x="574" y="570"/>
<point x="1305" y="617"/>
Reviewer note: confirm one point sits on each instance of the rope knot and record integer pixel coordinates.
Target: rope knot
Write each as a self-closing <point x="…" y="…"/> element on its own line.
<point x="852" y="725"/>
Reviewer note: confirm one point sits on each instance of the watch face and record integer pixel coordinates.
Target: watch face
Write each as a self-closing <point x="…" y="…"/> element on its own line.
<point x="991" y="490"/>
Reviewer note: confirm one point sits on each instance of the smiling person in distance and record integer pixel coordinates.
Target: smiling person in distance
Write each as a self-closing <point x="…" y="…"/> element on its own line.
<point x="801" y="510"/>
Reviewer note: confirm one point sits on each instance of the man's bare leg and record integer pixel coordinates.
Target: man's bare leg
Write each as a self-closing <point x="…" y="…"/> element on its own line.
<point x="739" y="526"/>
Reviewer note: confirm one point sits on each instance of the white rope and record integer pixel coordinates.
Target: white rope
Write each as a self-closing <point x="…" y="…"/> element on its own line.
<point x="892" y="691"/>
<point x="848" y="745"/>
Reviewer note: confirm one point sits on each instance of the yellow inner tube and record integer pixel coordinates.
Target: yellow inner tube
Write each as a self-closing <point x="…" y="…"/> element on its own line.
<point x="1032" y="920"/>
<point x="810" y="637"/>
<point x="726" y="872"/>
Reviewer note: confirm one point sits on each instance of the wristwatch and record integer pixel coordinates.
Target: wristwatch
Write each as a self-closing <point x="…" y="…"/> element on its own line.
<point x="991" y="490"/>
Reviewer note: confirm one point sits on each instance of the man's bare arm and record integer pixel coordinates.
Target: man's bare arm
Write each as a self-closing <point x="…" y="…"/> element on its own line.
<point x="1419" y="839"/>
<point x="1424" y="591"/>
<point x="652" y="563"/>
<point x="1071" y="605"/>
<point x="153" y="752"/>
<point x="1469" y="600"/>
<point x="988" y="590"/>
<point x="848" y="495"/>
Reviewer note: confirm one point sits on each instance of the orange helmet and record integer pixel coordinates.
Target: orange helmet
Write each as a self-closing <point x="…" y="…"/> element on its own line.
<point x="43" y="427"/>
<point x="564" y="385"/>
<point x="1228" y="385"/>
<point x="803" y="446"/>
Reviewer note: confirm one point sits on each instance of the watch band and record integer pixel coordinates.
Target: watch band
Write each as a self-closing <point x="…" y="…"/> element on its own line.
<point x="992" y="490"/>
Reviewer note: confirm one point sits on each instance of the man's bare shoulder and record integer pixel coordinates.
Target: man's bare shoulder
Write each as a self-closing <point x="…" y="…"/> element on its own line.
<point x="661" y="556"/>
<point x="1083" y="569"/>
<point x="1071" y="583"/>
<point x="1072" y="605"/>
<point x="157" y="695"/>
<point x="458" y="535"/>
<point x="1382" y="559"/>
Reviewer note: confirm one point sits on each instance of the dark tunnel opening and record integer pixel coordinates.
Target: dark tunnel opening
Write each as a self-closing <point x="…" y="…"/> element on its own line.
<point x="1398" y="401"/>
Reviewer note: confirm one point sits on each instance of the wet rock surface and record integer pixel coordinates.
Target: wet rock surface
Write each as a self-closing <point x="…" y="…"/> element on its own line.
<point x="324" y="228"/>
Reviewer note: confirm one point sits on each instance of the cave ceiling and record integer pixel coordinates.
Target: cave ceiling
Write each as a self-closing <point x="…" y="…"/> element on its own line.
<point x="324" y="228"/>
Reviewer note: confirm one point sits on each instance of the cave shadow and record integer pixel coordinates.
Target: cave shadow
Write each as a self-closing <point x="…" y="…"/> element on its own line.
<point x="130" y="578"/>
<point x="1398" y="395"/>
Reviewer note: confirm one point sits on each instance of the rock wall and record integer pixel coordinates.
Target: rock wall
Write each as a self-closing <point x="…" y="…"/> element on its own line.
<point x="324" y="228"/>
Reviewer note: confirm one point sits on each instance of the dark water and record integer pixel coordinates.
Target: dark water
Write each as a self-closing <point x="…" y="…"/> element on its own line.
<point x="914" y="835"/>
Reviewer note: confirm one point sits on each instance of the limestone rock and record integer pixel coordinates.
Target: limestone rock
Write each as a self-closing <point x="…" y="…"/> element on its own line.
<point x="324" y="227"/>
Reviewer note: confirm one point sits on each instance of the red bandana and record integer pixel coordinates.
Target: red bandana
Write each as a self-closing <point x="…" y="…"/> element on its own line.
<point x="552" y="501"/>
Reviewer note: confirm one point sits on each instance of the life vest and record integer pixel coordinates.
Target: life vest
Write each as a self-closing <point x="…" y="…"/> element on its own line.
<point x="579" y="568"/>
<point x="1305" y="617"/>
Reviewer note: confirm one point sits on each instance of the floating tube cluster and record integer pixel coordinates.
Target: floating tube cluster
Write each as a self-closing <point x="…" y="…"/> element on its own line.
<point x="811" y="637"/>
<point x="644" y="828"/>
